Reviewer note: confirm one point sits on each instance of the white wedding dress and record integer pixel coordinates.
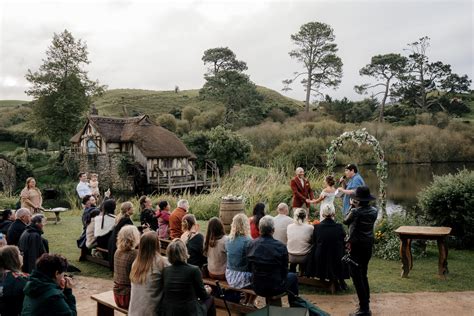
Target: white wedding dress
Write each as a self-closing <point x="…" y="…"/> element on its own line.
<point x="328" y="200"/>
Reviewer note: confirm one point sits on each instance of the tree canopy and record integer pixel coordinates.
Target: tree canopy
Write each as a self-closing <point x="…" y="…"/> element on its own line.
<point x="316" y="50"/>
<point x="61" y="88"/>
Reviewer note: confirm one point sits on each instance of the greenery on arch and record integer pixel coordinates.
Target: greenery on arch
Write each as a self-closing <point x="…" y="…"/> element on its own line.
<point x="360" y="137"/>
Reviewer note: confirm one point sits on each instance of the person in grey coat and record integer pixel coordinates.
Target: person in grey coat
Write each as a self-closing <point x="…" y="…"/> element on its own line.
<point x="32" y="244"/>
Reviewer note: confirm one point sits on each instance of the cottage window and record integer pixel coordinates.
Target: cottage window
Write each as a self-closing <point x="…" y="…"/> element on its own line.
<point x="168" y="163"/>
<point x="91" y="147"/>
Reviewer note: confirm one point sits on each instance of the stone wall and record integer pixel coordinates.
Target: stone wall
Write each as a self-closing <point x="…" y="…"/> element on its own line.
<point x="7" y="176"/>
<point x="107" y="167"/>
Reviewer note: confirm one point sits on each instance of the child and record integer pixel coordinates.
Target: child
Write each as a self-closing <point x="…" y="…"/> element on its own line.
<point x="327" y="196"/>
<point x="94" y="185"/>
<point x="163" y="215"/>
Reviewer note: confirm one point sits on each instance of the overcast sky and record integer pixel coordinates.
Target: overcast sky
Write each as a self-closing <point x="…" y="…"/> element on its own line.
<point x="159" y="44"/>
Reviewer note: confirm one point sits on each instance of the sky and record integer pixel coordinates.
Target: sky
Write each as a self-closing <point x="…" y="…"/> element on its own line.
<point x="158" y="45"/>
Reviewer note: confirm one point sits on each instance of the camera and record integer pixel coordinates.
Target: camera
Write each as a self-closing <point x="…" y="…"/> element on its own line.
<point x="348" y="260"/>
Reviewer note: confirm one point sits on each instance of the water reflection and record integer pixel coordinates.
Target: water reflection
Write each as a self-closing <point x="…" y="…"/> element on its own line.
<point x="406" y="181"/>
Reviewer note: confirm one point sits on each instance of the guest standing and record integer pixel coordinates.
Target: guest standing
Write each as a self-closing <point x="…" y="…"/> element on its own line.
<point x="127" y="241"/>
<point x="183" y="291"/>
<point x="350" y="182"/>
<point x="83" y="187"/>
<point x="147" y="277"/>
<point x="214" y="249"/>
<point x="193" y="240"/>
<point x="361" y="219"/>
<point x="258" y="213"/>
<point x="31" y="197"/>
<point x="8" y="216"/>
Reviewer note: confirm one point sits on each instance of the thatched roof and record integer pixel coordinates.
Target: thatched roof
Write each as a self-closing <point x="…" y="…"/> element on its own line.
<point x="152" y="140"/>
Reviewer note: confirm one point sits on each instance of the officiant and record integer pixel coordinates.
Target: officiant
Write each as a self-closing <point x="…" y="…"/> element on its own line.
<point x="350" y="182"/>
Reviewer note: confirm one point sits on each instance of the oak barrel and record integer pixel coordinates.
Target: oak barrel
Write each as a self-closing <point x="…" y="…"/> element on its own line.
<point x="227" y="211"/>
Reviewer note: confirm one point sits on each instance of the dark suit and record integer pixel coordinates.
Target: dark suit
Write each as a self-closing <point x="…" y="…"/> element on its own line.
<point x="301" y="193"/>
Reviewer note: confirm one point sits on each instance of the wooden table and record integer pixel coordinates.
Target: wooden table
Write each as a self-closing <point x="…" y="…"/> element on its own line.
<point x="407" y="233"/>
<point x="56" y="211"/>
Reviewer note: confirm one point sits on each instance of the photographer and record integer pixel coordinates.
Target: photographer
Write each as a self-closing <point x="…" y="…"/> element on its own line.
<point x="361" y="219"/>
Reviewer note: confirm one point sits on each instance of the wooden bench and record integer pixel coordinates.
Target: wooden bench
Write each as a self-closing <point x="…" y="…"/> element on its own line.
<point x="407" y="233"/>
<point x="85" y="255"/>
<point x="235" y="307"/>
<point x="106" y="304"/>
<point x="326" y="285"/>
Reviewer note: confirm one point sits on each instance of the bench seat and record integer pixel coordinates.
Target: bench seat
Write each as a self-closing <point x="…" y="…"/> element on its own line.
<point x="106" y="304"/>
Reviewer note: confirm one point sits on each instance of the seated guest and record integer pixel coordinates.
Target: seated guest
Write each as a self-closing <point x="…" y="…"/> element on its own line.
<point x="183" y="290"/>
<point x="32" y="244"/>
<point x="299" y="236"/>
<point x="147" y="214"/>
<point x="89" y="204"/>
<point x="193" y="240"/>
<point x="23" y="218"/>
<point x="237" y="272"/>
<point x="48" y="291"/>
<point x="12" y="281"/>
<point x="163" y="215"/>
<point x="8" y="216"/>
<point x="104" y="223"/>
<point x="282" y="220"/>
<point x="328" y="249"/>
<point x="268" y="260"/>
<point x="176" y="218"/>
<point x="258" y="213"/>
<point x="147" y="277"/>
<point x="3" y="240"/>
<point x="122" y="219"/>
<point x="127" y="241"/>
<point x="91" y="240"/>
<point x="214" y="248"/>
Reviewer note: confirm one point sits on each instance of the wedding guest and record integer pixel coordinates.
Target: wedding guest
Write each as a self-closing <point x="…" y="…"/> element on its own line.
<point x="31" y="197"/>
<point x="23" y="218"/>
<point x="238" y="273"/>
<point x="94" y="185"/>
<point x="147" y="214"/>
<point x="147" y="277"/>
<point x="82" y="187"/>
<point x="12" y="281"/>
<point x="299" y="236"/>
<point x="193" y="240"/>
<point x="32" y="244"/>
<point x="176" y="218"/>
<point x="8" y="216"/>
<point x="282" y="220"/>
<point x="104" y="223"/>
<point x="122" y="219"/>
<point x="214" y="248"/>
<point x="163" y="215"/>
<point x="258" y="213"/>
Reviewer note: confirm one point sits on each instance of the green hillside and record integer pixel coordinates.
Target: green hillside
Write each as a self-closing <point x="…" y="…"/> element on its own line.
<point x="11" y="103"/>
<point x="155" y="103"/>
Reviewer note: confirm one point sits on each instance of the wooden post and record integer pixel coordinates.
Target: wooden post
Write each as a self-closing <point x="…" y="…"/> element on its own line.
<point x="443" y="258"/>
<point x="405" y="253"/>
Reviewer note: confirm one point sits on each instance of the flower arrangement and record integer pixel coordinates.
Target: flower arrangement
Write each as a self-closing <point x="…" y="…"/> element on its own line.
<point x="360" y="137"/>
<point x="230" y="197"/>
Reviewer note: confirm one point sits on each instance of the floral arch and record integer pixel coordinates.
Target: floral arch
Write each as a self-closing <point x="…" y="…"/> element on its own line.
<point x="360" y="137"/>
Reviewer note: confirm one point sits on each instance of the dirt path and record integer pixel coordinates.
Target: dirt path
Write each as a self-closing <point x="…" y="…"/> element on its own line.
<point x="419" y="304"/>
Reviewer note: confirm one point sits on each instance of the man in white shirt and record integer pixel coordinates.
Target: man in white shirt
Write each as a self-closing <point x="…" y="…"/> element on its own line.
<point x="83" y="188"/>
<point x="282" y="220"/>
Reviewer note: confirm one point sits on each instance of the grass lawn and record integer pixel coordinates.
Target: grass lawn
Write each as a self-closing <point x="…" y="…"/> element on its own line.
<point x="384" y="276"/>
<point x="6" y="146"/>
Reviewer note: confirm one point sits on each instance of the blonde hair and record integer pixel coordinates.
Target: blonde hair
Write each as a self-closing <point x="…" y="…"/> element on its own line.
<point x="299" y="216"/>
<point x="128" y="238"/>
<point x="148" y="255"/>
<point x="123" y="211"/>
<point x="240" y="226"/>
<point x="28" y="180"/>
<point x="176" y="251"/>
<point x="329" y="211"/>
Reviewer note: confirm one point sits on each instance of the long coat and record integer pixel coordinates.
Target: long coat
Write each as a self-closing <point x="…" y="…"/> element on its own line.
<point x="33" y="246"/>
<point x="301" y="193"/>
<point x="328" y="249"/>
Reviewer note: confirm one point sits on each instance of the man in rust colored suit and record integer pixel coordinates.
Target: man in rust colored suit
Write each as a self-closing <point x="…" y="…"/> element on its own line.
<point x="176" y="217"/>
<point x="302" y="193"/>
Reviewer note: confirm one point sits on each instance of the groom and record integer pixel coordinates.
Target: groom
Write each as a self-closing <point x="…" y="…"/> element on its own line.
<point x="302" y="193"/>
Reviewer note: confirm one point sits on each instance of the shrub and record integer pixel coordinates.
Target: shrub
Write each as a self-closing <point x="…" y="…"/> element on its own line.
<point x="449" y="201"/>
<point x="167" y="121"/>
<point x="189" y="112"/>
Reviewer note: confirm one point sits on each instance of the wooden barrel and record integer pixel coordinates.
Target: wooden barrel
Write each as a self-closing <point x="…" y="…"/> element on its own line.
<point x="227" y="211"/>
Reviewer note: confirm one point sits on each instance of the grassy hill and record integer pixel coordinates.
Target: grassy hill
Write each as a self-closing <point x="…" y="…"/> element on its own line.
<point x="155" y="103"/>
<point x="11" y="103"/>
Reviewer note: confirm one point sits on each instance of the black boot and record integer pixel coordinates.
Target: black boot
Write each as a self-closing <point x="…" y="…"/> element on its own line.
<point x="361" y="312"/>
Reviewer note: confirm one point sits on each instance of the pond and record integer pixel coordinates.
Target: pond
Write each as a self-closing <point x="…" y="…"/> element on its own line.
<point x="405" y="181"/>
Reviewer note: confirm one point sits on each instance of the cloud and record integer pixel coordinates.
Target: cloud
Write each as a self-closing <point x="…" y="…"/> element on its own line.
<point x="157" y="45"/>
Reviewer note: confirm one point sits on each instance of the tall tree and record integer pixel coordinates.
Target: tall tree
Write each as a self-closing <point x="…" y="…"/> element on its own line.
<point x="225" y="81"/>
<point x="61" y="88"/>
<point x="424" y="80"/>
<point x="317" y="51"/>
<point x="384" y="69"/>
